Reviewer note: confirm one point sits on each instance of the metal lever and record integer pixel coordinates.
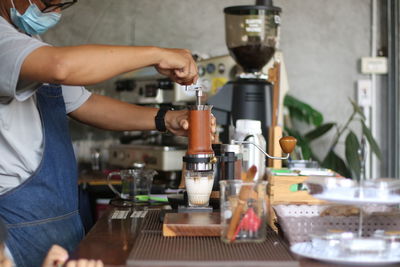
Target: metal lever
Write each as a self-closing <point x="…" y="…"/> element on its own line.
<point x="262" y="150"/>
<point x="361" y="156"/>
<point x="199" y="92"/>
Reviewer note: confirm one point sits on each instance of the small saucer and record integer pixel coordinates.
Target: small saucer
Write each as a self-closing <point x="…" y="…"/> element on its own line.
<point x="307" y="250"/>
<point x="353" y="200"/>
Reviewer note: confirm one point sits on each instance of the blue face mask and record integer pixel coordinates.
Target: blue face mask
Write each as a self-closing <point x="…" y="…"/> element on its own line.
<point x="34" y="21"/>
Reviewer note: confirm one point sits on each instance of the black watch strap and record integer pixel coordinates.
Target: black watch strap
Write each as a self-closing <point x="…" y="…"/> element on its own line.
<point x="160" y="119"/>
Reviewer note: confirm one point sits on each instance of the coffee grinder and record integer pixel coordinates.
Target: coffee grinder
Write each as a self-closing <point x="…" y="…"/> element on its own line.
<point x="200" y="159"/>
<point x="252" y="35"/>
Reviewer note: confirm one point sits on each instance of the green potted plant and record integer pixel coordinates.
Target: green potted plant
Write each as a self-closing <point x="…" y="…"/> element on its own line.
<point x="351" y="166"/>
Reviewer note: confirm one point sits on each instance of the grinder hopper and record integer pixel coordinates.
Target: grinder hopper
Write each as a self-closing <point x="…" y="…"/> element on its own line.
<point x="252" y="35"/>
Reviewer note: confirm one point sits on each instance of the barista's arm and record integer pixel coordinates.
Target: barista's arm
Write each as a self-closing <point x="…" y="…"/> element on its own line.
<point x="91" y="64"/>
<point x="111" y="114"/>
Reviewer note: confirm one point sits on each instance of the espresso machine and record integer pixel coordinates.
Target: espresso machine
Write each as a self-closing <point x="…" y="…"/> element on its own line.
<point x="252" y="37"/>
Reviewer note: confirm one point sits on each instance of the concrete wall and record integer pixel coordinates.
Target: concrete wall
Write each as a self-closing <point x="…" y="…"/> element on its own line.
<point x="322" y="40"/>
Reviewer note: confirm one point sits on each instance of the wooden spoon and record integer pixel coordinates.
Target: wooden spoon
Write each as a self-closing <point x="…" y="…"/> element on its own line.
<point x="288" y="144"/>
<point x="244" y="194"/>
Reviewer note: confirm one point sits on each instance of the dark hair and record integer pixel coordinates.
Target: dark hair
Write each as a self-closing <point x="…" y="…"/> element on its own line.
<point x="3" y="232"/>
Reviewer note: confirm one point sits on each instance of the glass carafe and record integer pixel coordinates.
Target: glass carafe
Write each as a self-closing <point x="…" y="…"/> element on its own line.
<point x="135" y="184"/>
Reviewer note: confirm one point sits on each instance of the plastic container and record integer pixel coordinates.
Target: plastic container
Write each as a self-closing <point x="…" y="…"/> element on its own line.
<point x="385" y="191"/>
<point x="363" y="246"/>
<point x="302" y="164"/>
<point x="330" y="239"/>
<point x="381" y="187"/>
<point x="392" y="239"/>
<point x="330" y="185"/>
<point x="250" y="130"/>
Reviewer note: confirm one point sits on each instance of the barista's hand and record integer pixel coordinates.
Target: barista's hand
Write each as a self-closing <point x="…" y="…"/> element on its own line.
<point x="177" y="122"/>
<point x="85" y="263"/>
<point x="178" y="64"/>
<point x="57" y="256"/>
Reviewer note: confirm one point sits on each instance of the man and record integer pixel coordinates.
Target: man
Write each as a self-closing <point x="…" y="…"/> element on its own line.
<point x="4" y="260"/>
<point x="39" y="85"/>
<point x="56" y="255"/>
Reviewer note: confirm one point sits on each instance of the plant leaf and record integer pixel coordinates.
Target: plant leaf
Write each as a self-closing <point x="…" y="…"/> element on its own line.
<point x="372" y="143"/>
<point x="351" y="150"/>
<point x="335" y="163"/>
<point x="319" y="131"/>
<point x="302" y="111"/>
<point x="306" y="150"/>
<point x="357" y="109"/>
<point x="297" y="114"/>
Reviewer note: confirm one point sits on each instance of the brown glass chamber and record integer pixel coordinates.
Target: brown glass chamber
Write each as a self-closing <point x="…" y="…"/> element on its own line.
<point x="200" y="130"/>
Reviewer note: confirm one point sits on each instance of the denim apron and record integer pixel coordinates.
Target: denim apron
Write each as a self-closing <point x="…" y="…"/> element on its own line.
<point x="43" y="210"/>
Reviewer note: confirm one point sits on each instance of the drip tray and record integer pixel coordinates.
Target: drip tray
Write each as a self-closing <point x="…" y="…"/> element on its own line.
<point x="152" y="249"/>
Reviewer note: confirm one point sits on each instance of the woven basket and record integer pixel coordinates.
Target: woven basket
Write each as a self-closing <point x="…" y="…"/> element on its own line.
<point x="297" y="222"/>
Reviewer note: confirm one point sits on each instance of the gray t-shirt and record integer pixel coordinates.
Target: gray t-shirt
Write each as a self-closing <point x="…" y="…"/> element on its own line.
<point x="21" y="135"/>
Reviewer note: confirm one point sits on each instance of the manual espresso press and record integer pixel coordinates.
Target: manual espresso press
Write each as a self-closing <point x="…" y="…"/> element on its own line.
<point x="200" y="158"/>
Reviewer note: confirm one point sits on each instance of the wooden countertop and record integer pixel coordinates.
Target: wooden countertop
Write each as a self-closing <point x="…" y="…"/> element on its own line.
<point x="109" y="240"/>
<point x="96" y="178"/>
<point x="112" y="241"/>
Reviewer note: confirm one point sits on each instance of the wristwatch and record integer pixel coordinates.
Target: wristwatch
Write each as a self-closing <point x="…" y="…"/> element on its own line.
<point x="160" y="119"/>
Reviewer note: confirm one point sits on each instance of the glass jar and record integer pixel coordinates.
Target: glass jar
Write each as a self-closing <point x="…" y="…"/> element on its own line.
<point x="198" y="186"/>
<point x="243" y="211"/>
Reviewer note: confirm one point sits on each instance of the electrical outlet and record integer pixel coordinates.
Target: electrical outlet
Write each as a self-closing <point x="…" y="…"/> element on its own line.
<point x="364" y="93"/>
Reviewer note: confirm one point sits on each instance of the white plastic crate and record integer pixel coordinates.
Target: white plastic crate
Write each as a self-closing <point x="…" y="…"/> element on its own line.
<point x="297" y="222"/>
